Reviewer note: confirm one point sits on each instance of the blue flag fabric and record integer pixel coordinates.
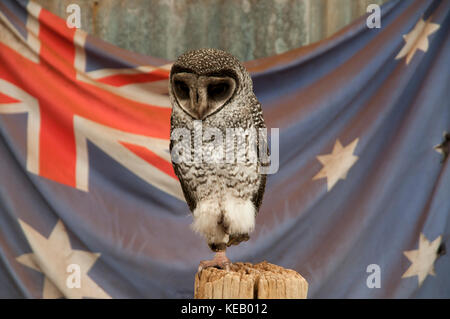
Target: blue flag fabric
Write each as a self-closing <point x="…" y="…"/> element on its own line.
<point x="359" y="205"/>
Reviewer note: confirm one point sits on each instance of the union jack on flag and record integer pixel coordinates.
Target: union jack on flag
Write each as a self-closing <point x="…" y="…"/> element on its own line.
<point x="120" y="105"/>
<point x="69" y="103"/>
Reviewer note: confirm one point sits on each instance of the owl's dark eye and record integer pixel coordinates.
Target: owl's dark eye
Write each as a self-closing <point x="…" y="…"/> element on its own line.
<point x="182" y="90"/>
<point x="218" y="91"/>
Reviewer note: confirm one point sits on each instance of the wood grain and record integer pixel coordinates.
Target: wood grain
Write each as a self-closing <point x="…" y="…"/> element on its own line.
<point x="248" y="281"/>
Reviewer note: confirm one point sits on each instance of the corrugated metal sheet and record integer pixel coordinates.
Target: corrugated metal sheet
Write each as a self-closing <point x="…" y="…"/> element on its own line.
<point x="248" y="29"/>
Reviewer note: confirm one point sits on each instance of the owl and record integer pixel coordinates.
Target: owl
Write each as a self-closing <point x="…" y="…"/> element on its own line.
<point x="211" y="91"/>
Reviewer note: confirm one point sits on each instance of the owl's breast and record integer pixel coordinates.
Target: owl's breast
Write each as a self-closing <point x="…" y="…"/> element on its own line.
<point x="215" y="180"/>
<point x="217" y="160"/>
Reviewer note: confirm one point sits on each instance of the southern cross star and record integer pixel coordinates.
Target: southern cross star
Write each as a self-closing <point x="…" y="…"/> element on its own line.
<point x="417" y="39"/>
<point x="422" y="259"/>
<point x="337" y="164"/>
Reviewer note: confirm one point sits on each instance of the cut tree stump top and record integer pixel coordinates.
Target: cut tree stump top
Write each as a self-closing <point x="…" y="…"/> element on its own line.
<point x="248" y="281"/>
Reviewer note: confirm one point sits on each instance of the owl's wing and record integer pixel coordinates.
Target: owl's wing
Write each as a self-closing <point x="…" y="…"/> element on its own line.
<point x="190" y="200"/>
<point x="258" y="196"/>
<point x="258" y="120"/>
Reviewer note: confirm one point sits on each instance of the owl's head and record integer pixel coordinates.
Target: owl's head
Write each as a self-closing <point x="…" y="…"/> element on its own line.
<point x="203" y="81"/>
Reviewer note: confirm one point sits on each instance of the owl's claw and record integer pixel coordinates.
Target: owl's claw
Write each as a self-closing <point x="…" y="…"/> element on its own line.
<point x="220" y="261"/>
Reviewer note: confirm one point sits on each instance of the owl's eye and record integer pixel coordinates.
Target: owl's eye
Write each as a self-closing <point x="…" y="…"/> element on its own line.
<point x="218" y="91"/>
<point x="182" y="90"/>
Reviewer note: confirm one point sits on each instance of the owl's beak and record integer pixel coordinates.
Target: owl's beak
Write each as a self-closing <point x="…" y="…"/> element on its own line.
<point x="199" y="102"/>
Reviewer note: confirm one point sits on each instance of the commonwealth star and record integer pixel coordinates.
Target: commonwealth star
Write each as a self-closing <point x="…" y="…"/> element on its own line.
<point x="52" y="256"/>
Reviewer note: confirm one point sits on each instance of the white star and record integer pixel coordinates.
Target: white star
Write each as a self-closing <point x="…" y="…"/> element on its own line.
<point x="417" y="39"/>
<point x="422" y="259"/>
<point x="52" y="256"/>
<point x="337" y="164"/>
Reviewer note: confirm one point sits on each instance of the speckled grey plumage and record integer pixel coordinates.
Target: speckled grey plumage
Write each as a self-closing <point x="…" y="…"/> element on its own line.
<point x="202" y="181"/>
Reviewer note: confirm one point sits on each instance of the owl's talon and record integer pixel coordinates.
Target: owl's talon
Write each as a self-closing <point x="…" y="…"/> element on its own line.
<point x="220" y="261"/>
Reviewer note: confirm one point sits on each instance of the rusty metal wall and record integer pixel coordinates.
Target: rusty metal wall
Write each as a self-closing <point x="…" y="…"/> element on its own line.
<point x="248" y="29"/>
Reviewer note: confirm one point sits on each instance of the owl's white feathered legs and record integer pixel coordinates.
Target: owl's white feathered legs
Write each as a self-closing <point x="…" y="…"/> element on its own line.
<point x="235" y="218"/>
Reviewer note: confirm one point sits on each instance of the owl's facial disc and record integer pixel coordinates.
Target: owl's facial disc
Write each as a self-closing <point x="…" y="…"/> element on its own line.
<point x="200" y="96"/>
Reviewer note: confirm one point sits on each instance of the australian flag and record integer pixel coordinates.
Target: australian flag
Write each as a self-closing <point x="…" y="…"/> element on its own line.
<point x="359" y="206"/>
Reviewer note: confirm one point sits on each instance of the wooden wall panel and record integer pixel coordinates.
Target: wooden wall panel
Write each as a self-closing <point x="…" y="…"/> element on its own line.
<point x="247" y="28"/>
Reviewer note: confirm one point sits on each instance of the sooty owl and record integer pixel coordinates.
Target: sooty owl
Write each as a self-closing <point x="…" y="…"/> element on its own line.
<point x="210" y="90"/>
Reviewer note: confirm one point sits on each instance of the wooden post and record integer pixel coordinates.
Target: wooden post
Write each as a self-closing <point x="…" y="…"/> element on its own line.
<point x="247" y="281"/>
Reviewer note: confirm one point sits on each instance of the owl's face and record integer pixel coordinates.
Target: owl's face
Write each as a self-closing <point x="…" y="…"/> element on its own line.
<point x="202" y="95"/>
<point x="202" y="82"/>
